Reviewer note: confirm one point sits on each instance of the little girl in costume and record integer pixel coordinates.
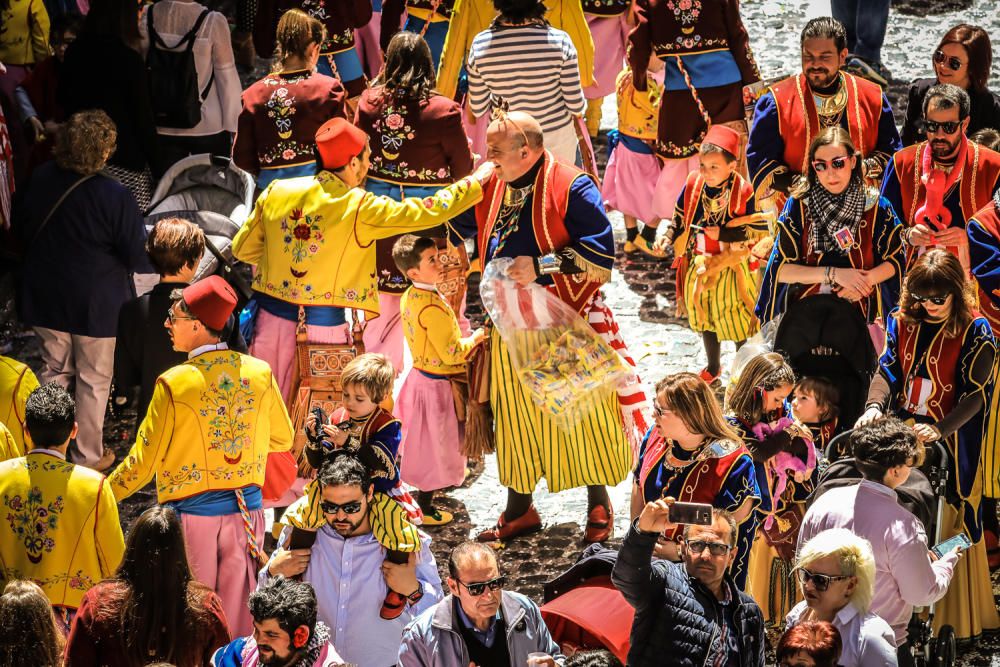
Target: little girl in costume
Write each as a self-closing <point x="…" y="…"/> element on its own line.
<point x="630" y="177"/>
<point x="712" y="231"/>
<point x="755" y="408"/>
<point x="432" y="433"/>
<point x="362" y="427"/>
<point x="816" y="403"/>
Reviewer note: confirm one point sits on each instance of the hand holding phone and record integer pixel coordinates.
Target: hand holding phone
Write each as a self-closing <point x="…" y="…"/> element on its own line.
<point x="698" y="514"/>
<point x="960" y="541"/>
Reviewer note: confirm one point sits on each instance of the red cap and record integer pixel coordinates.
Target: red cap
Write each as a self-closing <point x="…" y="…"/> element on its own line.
<point x="725" y="138"/>
<point x="211" y="300"/>
<point x="338" y="141"/>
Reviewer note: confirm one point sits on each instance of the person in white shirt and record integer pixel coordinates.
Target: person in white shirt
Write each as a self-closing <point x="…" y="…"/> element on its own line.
<point x="217" y="78"/>
<point x="836" y="574"/>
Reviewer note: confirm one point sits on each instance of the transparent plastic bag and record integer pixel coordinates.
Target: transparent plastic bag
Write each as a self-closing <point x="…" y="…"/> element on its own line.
<point x="563" y="364"/>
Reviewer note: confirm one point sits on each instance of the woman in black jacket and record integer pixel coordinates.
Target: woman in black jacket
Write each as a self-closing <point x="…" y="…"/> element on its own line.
<point x="963" y="58"/>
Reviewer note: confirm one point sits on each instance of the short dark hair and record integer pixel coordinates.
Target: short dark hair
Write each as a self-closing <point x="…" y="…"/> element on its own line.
<point x="976" y="43"/>
<point x="68" y="22"/>
<point x="718" y="514"/>
<point x="946" y="96"/>
<point x="883" y="444"/>
<point x="595" y="658"/>
<point x="291" y="603"/>
<point x="986" y="137"/>
<point x="820" y="640"/>
<point x="344" y="470"/>
<point x="519" y="10"/>
<point x="49" y="415"/>
<point x="173" y="244"/>
<point x="408" y="248"/>
<point x="467" y="550"/>
<point x="825" y="27"/>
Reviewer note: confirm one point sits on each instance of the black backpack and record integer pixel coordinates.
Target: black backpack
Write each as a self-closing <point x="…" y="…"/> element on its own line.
<point x="173" y="78"/>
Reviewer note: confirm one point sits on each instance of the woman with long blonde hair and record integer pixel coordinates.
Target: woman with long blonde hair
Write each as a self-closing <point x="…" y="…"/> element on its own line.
<point x="692" y="454"/>
<point x="937" y="371"/>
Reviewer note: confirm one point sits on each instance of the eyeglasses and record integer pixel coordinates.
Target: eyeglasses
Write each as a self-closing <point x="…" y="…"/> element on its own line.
<point x="954" y="64"/>
<point x="820" y="581"/>
<point x="836" y="164"/>
<point x="174" y="317"/>
<point x="333" y="508"/>
<point x="936" y="300"/>
<point x="475" y="590"/>
<point x="715" y="548"/>
<point x="948" y="127"/>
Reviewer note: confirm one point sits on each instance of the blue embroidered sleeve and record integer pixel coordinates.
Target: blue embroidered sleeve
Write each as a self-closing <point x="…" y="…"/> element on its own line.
<point x="892" y="192"/>
<point x="766" y="148"/>
<point x="984" y="251"/>
<point x="888" y="241"/>
<point x="787" y="241"/>
<point x="889" y="364"/>
<point x="385" y="446"/>
<point x="588" y="225"/>
<point x="888" y="136"/>
<point x="740" y="485"/>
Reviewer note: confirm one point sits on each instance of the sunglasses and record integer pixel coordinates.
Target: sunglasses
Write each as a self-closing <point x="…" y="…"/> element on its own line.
<point x="658" y="411"/>
<point x="936" y="300"/>
<point x="333" y="508"/>
<point x="820" y="581"/>
<point x="475" y="590"/>
<point x="949" y="127"/>
<point x="715" y="548"/>
<point x="954" y="64"/>
<point x="836" y="164"/>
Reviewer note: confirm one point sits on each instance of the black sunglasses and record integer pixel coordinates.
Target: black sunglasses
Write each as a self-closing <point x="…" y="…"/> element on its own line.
<point x="949" y="127"/>
<point x="715" y="548"/>
<point x="475" y="590"/>
<point x="820" y="581"/>
<point x="333" y="508"/>
<point x="836" y="164"/>
<point x="953" y="63"/>
<point x="936" y="300"/>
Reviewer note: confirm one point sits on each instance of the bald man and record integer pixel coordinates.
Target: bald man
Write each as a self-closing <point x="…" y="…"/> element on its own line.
<point x="548" y="217"/>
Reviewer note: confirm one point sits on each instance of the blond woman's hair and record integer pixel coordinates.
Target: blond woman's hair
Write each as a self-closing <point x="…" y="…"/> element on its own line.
<point x="691" y="399"/>
<point x="372" y="371"/>
<point x="854" y="555"/>
<point x="85" y="142"/>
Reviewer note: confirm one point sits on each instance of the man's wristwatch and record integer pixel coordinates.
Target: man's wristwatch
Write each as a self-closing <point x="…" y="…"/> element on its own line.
<point x="415" y="596"/>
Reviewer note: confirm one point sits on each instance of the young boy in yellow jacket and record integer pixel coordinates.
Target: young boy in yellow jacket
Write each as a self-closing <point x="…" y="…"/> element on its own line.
<point x="61" y="528"/>
<point x="206" y="437"/>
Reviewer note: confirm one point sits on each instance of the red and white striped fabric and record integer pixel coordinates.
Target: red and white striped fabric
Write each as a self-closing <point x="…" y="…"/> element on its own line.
<point x="917" y="394"/>
<point x="522" y="308"/>
<point x="631" y="393"/>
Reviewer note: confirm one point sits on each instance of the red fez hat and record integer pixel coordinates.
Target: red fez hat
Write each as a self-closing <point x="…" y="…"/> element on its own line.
<point x="338" y="141"/>
<point x="211" y="300"/>
<point x="725" y="138"/>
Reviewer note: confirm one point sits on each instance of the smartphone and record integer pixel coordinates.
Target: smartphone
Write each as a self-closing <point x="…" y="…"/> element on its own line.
<point x="698" y="514"/>
<point x="961" y="540"/>
<point x="301" y="539"/>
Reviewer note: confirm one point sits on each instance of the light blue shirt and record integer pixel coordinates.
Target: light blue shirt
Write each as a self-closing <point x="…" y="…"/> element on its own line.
<point x="347" y="576"/>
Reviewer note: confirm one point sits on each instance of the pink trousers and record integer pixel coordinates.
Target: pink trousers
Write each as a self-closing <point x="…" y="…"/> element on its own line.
<point x="670" y="183"/>
<point x="217" y="552"/>
<point x="384" y="334"/>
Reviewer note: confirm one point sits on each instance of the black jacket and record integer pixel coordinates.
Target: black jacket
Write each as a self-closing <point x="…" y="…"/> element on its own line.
<point x="143" y="349"/>
<point x="984" y="111"/>
<point x="674" y="614"/>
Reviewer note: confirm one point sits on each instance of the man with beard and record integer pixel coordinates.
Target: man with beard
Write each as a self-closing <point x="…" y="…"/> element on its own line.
<point x="346" y="565"/>
<point x="937" y="185"/>
<point x="691" y="611"/>
<point x="479" y="622"/>
<point x="285" y="631"/>
<point x="790" y="115"/>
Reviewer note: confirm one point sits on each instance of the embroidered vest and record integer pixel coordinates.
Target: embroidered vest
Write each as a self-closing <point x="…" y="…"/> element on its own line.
<point x="989" y="219"/>
<point x="549" y="203"/>
<point x="933" y="395"/>
<point x="740" y="194"/>
<point x="979" y="176"/>
<point x="799" y="121"/>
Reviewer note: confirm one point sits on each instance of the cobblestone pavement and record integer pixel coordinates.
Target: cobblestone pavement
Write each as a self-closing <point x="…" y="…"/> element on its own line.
<point x="641" y="295"/>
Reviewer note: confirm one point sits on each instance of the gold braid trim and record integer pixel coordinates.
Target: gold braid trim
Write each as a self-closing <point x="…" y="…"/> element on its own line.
<point x="592" y="272"/>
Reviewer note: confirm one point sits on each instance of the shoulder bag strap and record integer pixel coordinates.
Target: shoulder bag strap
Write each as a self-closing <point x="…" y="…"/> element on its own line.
<point x="80" y="181"/>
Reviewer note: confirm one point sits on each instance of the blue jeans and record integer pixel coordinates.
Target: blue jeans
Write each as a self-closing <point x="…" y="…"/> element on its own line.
<point x="865" y="21"/>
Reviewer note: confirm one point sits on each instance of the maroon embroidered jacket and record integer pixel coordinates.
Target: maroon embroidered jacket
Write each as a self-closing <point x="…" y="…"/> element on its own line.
<point x="281" y="114"/>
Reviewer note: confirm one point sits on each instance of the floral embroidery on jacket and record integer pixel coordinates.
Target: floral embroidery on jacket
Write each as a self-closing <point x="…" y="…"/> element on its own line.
<point x="303" y="236"/>
<point x="280" y="109"/>
<point x="230" y="402"/>
<point x="31" y="519"/>
<point x="685" y="11"/>
<point x="169" y="482"/>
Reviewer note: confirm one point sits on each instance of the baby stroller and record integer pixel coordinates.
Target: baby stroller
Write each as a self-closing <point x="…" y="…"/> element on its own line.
<point x="826" y="336"/>
<point x="923" y="494"/>
<point x="214" y="194"/>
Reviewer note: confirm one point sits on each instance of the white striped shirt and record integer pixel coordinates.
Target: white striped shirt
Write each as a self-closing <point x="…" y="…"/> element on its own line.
<point x="532" y="67"/>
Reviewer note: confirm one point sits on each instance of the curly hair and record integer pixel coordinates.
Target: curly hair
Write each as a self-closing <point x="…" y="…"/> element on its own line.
<point x="936" y="273"/>
<point x="85" y="142"/>
<point x="408" y="74"/>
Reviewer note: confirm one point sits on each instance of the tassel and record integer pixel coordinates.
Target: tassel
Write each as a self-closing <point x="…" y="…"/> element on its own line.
<point x="478" y="440"/>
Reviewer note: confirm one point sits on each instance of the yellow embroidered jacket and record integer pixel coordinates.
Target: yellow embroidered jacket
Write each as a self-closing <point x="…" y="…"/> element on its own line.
<point x="471" y="17"/>
<point x="210" y="426"/>
<point x="8" y="448"/>
<point x="60" y="526"/>
<point x="431" y="330"/>
<point x="17" y="381"/>
<point x="313" y="238"/>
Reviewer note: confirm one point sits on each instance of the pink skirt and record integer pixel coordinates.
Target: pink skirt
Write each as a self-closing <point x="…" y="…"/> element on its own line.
<point x="274" y="342"/>
<point x="366" y="42"/>
<point x="431" y="435"/>
<point x="610" y="34"/>
<point x="673" y="175"/>
<point x="630" y="182"/>
<point x="384" y="334"/>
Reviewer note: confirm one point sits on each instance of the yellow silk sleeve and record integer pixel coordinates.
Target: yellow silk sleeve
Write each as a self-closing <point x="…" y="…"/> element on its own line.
<point x="154" y="437"/>
<point x="109" y="539"/>
<point x="381" y="217"/>
<point x="443" y="334"/>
